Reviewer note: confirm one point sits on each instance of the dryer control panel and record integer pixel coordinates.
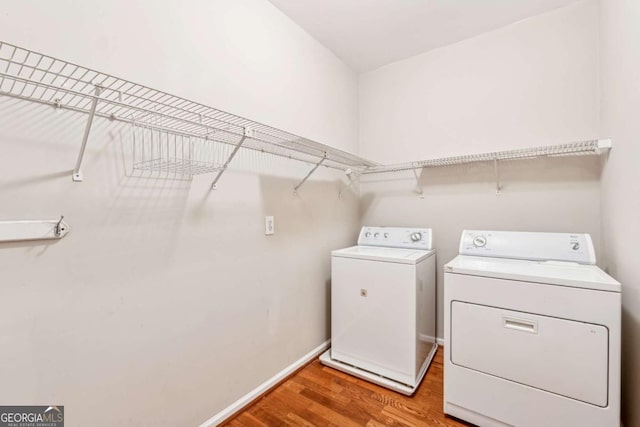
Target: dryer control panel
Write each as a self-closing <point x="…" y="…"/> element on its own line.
<point x="529" y="246"/>
<point x="396" y="237"/>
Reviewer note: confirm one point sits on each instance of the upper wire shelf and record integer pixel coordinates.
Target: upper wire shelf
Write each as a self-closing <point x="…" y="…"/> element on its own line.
<point x="187" y="125"/>
<point x="591" y="147"/>
<point x="32" y="76"/>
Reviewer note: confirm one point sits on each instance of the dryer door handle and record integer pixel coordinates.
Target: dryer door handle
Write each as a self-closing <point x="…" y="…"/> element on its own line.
<point x="522" y="325"/>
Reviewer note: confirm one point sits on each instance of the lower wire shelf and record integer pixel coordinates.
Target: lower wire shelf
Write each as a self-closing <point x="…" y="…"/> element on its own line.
<point x="177" y="166"/>
<point x="169" y="155"/>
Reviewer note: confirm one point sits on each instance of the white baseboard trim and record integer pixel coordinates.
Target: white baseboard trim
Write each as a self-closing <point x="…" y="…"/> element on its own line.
<point x="429" y="338"/>
<point x="245" y="400"/>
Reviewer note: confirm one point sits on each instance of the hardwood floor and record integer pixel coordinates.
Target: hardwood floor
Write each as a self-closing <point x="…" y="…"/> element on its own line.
<point x="321" y="396"/>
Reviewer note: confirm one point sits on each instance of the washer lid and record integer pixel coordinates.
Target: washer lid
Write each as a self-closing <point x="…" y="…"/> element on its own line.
<point x="374" y="253"/>
<point x="547" y="272"/>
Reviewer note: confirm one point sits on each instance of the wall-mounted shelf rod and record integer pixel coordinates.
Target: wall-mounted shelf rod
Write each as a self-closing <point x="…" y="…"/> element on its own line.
<point x="49" y="229"/>
<point x="591" y="147"/>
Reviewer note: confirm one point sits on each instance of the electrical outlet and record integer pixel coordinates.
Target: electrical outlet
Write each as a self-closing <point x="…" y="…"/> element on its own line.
<point x="269" y="225"/>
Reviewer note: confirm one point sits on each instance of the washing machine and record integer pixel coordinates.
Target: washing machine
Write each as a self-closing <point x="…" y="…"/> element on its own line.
<point x="532" y="332"/>
<point x="383" y="307"/>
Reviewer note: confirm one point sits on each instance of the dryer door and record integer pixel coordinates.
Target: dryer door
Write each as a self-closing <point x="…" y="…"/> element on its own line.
<point x="560" y="356"/>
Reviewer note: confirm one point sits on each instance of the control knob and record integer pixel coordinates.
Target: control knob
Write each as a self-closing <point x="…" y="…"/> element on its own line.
<point x="575" y="246"/>
<point x="367" y="234"/>
<point x="415" y="237"/>
<point x="479" y="241"/>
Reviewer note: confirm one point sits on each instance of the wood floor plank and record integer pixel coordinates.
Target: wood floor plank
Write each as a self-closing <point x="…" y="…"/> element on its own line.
<point x="248" y="420"/>
<point x="319" y="396"/>
<point x="333" y="416"/>
<point x="299" y="421"/>
<point x="322" y="391"/>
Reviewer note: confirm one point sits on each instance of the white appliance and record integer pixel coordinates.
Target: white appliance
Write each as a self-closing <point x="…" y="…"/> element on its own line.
<point x="383" y="307"/>
<point x="532" y="332"/>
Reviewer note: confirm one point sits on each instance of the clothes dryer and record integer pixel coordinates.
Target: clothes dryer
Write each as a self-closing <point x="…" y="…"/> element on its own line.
<point x="532" y="332"/>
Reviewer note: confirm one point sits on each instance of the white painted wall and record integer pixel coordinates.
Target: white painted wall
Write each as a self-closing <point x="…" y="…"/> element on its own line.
<point x="620" y="67"/>
<point x="531" y="83"/>
<point x="166" y="302"/>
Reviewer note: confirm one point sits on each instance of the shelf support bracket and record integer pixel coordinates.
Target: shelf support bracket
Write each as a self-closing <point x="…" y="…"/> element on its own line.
<point x="317" y="165"/>
<point x="353" y="178"/>
<point x="248" y="133"/>
<point x="497" y="170"/>
<point x="77" y="174"/>
<point x="418" y="186"/>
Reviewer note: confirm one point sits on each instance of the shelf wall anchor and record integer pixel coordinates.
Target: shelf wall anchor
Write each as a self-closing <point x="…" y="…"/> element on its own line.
<point x="77" y="174"/>
<point x="498" y="187"/>
<point x="316" y="166"/>
<point x="248" y="133"/>
<point x="418" y="186"/>
<point x="58" y="228"/>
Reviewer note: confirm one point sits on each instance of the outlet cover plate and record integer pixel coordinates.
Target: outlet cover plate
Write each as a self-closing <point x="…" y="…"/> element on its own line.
<point x="269" y="225"/>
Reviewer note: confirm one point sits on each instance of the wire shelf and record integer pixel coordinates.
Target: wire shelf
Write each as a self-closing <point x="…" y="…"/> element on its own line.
<point x="591" y="147"/>
<point x="172" y="155"/>
<point x="177" y="166"/>
<point x="33" y="76"/>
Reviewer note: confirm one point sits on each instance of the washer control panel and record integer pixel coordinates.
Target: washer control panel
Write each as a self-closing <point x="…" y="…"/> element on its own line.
<point x="529" y="246"/>
<point x="396" y="237"/>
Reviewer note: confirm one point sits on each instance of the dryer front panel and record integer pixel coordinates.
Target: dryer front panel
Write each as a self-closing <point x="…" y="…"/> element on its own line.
<point x="565" y="357"/>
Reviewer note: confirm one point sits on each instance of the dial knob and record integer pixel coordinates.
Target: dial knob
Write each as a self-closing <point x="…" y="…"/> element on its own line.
<point x="479" y="241"/>
<point x="415" y="237"/>
<point x="376" y="235"/>
<point x="367" y="234"/>
<point x="386" y="235"/>
<point x="575" y="246"/>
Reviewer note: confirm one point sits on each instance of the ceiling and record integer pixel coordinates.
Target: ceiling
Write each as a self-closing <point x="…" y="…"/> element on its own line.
<point x="367" y="34"/>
